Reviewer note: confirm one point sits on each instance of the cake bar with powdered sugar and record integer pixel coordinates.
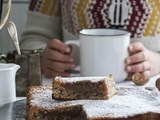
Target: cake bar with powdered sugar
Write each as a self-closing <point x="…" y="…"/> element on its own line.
<point x="76" y="88"/>
<point x="130" y="103"/>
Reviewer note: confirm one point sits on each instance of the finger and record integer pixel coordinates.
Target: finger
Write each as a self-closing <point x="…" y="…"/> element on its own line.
<point x="136" y="47"/>
<point x="146" y="74"/>
<point x="51" y="73"/>
<point x="58" y="56"/>
<point x="58" y="45"/>
<point x="136" y="58"/>
<point x="60" y="66"/>
<point x="140" y="67"/>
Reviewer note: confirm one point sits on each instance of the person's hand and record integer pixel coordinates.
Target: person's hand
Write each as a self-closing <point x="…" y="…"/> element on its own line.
<point x="142" y="60"/>
<point x="56" y="59"/>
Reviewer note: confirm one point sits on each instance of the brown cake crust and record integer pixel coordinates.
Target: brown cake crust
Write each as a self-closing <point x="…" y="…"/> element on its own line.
<point x="86" y="88"/>
<point x="40" y="105"/>
<point x="34" y="112"/>
<point x="30" y="109"/>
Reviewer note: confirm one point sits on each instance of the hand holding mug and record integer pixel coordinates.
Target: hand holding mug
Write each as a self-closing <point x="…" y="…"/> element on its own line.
<point x="56" y="59"/>
<point x="142" y="60"/>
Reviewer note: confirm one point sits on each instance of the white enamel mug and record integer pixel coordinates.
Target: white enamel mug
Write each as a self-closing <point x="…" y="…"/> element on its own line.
<point x="102" y="52"/>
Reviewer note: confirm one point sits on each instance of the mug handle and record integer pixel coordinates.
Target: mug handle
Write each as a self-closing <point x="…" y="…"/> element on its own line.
<point x="72" y="42"/>
<point x="75" y="53"/>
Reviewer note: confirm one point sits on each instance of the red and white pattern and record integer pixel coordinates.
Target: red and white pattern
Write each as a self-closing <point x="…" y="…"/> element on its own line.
<point x="140" y="17"/>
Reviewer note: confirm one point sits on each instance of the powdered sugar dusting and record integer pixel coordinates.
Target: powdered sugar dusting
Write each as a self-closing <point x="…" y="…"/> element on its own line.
<point x="128" y="102"/>
<point x="75" y="79"/>
<point x="42" y="97"/>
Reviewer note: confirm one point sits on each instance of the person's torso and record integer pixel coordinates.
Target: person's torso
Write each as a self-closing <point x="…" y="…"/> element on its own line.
<point x="140" y="17"/>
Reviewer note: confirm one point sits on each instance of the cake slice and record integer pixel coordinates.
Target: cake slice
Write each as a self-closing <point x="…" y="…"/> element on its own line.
<point x="76" y="88"/>
<point x="41" y="106"/>
<point x="130" y="103"/>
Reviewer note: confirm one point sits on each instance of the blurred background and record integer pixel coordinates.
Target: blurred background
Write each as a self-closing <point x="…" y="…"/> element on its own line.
<point x="18" y="15"/>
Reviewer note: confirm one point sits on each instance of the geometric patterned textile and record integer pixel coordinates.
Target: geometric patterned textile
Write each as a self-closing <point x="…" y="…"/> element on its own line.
<point x="140" y="17"/>
<point x="48" y="7"/>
